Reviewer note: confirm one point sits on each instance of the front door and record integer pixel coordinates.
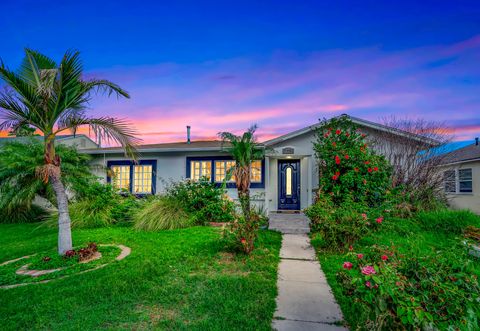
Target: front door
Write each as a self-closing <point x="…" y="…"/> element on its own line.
<point x="289" y="184"/>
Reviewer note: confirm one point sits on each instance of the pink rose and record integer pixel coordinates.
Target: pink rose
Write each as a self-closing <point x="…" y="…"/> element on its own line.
<point x="347" y="265"/>
<point x="368" y="284"/>
<point x="379" y="220"/>
<point x="384" y="258"/>
<point x="364" y="216"/>
<point x="368" y="270"/>
<point x="360" y="256"/>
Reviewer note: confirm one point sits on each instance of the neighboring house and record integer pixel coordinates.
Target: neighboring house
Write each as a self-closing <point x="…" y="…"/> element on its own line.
<point x="80" y="141"/>
<point x="462" y="177"/>
<point x="286" y="179"/>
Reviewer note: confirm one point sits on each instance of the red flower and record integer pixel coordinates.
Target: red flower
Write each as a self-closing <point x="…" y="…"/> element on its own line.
<point x="379" y="220"/>
<point x="363" y="135"/>
<point x="364" y="216"/>
<point x="384" y="258"/>
<point x="360" y="256"/>
<point x="347" y="157"/>
<point x="337" y="159"/>
<point x="338" y="131"/>
<point x="243" y="241"/>
<point x="364" y="182"/>
<point x="367" y="162"/>
<point x="334" y="144"/>
<point x="369" y="169"/>
<point x="368" y="270"/>
<point x="347" y="265"/>
<point x="368" y="284"/>
<point x="350" y="248"/>
<point x="375" y="168"/>
<point x="334" y="177"/>
<point x="347" y="134"/>
<point x="356" y="169"/>
<point x="326" y="135"/>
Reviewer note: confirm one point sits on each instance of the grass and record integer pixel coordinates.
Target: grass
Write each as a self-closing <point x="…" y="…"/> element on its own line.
<point x="413" y="237"/>
<point x="174" y="280"/>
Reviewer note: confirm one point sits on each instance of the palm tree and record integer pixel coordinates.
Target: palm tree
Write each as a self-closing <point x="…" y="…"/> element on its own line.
<point x="243" y="149"/>
<point x="53" y="99"/>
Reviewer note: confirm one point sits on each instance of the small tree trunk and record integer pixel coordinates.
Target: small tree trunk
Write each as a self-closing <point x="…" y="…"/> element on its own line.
<point x="64" y="228"/>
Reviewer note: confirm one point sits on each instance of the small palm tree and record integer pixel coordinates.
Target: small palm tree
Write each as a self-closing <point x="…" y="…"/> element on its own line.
<point x="243" y="149"/>
<point x="53" y="99"/>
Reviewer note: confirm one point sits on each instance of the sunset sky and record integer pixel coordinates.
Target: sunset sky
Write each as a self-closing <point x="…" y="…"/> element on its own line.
<point x="282" y="65"/>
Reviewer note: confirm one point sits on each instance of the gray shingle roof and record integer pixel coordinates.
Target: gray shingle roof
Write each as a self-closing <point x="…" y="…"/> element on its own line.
<point x="467" y="153"/>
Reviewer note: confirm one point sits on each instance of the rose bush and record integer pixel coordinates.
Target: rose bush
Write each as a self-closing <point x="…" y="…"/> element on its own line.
<point x="438" y="291"/>
<point x="349" y="168"/>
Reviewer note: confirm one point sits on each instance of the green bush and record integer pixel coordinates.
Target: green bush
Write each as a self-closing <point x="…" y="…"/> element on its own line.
<point x="203" y="199"/>
<point x="100" y="205"/>
<point x="341" y="226"/>
<point x="162" y="213"/>
<point x="19" y="184"/>
<point x="348" y="167"/>
<point x="24" y="214"/>
<point x="438" y="291"/>
<point x="447" y="221"/>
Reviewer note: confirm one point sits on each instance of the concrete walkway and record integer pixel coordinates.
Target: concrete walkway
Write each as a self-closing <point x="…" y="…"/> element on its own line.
<point x="305" y="301"/>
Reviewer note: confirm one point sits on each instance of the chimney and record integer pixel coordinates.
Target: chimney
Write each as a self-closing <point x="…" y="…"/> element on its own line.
<point x="188" y="134"/>
<point x="476" y="141"/>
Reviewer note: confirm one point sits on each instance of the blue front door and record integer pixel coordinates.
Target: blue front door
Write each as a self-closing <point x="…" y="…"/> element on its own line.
<point x="289" y="184"/>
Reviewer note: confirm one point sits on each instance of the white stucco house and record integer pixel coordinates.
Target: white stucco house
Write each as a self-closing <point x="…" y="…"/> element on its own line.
<point x="286" y="179"/>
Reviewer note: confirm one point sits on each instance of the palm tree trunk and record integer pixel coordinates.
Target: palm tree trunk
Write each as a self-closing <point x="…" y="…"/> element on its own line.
<point x="52" y="163"/>
<point x="64" y="227"/>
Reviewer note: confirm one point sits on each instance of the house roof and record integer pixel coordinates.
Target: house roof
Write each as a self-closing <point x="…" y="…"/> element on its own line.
<point x="360" y="122"/>
<point x="466" y="154"/>
<point x="201" y="145"/>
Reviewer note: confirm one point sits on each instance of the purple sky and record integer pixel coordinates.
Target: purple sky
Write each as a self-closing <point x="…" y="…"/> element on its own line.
<point x="280" y="65"/>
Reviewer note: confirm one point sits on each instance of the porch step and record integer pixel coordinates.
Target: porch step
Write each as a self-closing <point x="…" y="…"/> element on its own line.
<point x="289" y="223"/>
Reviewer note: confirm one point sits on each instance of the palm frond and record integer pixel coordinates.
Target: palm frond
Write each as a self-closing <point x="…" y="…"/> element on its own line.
<point x="109" y="129"/>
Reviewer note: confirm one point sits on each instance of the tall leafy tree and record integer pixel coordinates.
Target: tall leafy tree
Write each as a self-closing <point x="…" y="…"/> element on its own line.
<point x="53" y="98"/>
<point x="243" y="149"/>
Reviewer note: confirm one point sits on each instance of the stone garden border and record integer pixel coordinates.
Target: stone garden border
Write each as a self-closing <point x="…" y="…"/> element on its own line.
<point x="23" y="270"/>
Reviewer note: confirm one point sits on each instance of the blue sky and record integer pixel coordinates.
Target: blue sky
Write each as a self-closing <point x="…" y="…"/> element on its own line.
<point x="224" y="65"/>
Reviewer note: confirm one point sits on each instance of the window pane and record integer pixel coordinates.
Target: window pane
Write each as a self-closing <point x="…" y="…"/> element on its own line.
<point x="465" y="174"/>
<point x="142" y="179"/>
<point x="256" y="171"/>
<point x="288" y="181"/>
<point x="466" y="186"/>
<point x="222" y="168"/>
<point x="121" y="177"/>
<point x="450" y="187"/>
<point x="449" y="175"/>
<point x="200" y="169"/>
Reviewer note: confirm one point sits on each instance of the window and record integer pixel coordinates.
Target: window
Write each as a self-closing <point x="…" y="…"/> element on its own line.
<point x="215" y="168"/>
<point x="222" y="168"/>
<point x="121" y="177"/>
<point x="201" y="169"/>
<point x="288" y="183"/>
<point x="256" y="172"/>
<point x="137" y="178"/>
<point x="465" y="180"/>
<point x="142" y="179"/>
<point x="458" y="181"/>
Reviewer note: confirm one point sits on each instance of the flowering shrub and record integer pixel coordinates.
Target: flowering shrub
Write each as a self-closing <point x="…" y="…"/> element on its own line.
<point x="341" y="226"/>
<point x="203" y="199"/>
<point x="348" y="166"/>
<point x="437" y="291"/>
<point x="241" y="235"/>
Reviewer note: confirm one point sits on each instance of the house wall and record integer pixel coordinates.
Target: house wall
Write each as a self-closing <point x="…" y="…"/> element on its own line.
<point x="171" y="167"/>
<point x="80" y="142"/>
<point x="470" y="201"/>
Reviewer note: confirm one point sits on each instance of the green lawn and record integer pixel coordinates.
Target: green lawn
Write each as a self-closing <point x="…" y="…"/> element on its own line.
<point x="408" y="236"/>
<point x="180" y="279"/>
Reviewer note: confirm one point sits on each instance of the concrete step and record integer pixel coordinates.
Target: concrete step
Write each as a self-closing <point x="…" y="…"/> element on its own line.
<point x="291" y="230"/>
